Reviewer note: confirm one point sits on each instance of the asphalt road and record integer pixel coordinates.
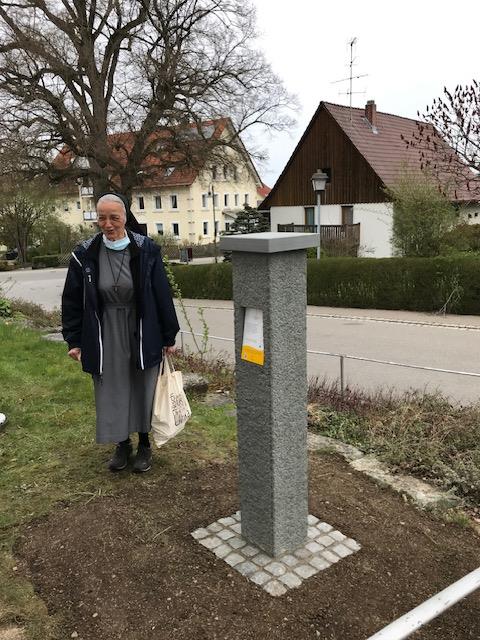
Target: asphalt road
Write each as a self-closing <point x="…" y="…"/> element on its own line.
<point x="446" y="342"/>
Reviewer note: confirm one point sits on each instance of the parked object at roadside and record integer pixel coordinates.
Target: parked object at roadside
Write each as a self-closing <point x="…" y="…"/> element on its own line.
<point x="11" y="254"/>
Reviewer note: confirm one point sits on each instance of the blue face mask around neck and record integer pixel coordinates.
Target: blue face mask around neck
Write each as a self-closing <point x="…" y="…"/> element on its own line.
<point x="116" y="245"/>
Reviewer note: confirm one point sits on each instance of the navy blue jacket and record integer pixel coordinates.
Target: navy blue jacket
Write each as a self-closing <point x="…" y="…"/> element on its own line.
<point x="157" y="323"/>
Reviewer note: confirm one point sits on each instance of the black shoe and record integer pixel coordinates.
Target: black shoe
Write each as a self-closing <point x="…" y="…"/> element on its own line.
<point x="120" y="458"/>
<point x="143" y="459"/>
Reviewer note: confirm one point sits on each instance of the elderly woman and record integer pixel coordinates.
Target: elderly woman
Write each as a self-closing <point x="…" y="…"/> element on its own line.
<point x="118" y="318"/>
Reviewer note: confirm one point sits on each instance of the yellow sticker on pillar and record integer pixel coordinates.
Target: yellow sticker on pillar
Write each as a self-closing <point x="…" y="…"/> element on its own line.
<point x="252" y="343"/>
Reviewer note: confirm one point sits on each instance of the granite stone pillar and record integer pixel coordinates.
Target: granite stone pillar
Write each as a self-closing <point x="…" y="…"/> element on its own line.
<point x="269" y="274"/>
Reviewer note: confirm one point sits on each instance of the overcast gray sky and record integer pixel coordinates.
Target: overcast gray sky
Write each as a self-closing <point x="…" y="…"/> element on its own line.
<point x="410" y="51"/>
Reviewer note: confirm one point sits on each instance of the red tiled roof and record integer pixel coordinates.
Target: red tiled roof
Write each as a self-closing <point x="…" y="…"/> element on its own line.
<point x="156" y="168"/>
<point x="263" y="191"/>
<point x="383" y="147"/>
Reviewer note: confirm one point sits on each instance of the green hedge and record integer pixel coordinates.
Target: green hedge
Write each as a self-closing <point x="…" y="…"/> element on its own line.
<point x="412" y="284"/>
<point x="207" y="281"/>
<point x="40" y="262"/>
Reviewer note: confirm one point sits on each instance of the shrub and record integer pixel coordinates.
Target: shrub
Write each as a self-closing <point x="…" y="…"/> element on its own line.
<point x="208" y="281"/>
<point x="36" y="315"/>
<point x="464" y="237"/>
<point x="421" y="214"/>
<point x="41" y="262"/>
<point x="443" y="284"/>
<point x="5" y="308"/>
<point x="420" y="434"/>
<point x="52" y="236"/>
<point x="413" y="284"/>
<point x="6" y="266"/>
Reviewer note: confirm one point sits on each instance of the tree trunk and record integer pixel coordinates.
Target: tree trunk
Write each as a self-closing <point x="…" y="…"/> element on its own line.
<point x="100" y="185"/>
<point x="22" y="245"/>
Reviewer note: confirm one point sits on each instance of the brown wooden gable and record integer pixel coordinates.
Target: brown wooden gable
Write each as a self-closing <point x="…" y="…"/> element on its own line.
<point x="325" y="145"/>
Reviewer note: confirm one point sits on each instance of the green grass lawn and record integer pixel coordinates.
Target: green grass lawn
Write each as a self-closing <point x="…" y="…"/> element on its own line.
<point x="48" y="453"/>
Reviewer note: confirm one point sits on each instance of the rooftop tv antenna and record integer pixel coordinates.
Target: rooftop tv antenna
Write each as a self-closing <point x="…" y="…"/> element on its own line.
<point x="351" y="77"/>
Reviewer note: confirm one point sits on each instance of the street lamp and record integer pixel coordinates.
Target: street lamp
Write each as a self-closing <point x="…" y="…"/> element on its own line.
<point x="82" y="163"/>
<point x="212" y="194"/>
<point x="319" y="182"/>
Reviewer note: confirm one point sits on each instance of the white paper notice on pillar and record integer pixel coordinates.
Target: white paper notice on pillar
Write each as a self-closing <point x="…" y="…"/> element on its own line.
<point x="252" y="343"/>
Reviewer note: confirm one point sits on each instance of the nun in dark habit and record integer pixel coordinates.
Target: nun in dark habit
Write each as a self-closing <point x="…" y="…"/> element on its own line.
<point x="118" y="320"/>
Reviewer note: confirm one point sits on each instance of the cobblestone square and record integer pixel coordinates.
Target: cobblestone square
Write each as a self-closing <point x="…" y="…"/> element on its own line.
<point x="323" y="547"/>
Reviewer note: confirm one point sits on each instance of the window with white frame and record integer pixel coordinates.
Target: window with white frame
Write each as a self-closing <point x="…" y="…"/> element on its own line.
<point x="158" y="202"/>
<point x="205" y="228"/>
<point x="175" y="229"/>
<point x="246" y="198"/>
<point x="225" y="172"/>
<point x="79" y="206"/>
<point x="226" y="199"/>
<point x="174" y="201"/>
<point x="204" y="200"/>
<point x="159" y="226"/>
<point x="141" y="203"/>
<point x="227" y="226"/>
<point x="215" y="200"/>
<point x="216" y="227"/>
<point x="237" y="200"/>
<point x="214" y="172"/>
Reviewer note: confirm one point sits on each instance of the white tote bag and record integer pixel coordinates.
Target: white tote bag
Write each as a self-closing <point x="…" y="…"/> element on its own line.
<point x="171" y="409"/>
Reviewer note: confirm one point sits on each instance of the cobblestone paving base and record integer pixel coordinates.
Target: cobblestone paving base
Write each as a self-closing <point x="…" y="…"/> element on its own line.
<point x="325" y="546"/>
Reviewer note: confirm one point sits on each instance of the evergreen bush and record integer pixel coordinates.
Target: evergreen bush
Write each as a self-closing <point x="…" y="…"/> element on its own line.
<point x="442" y="284"/>
<point x="205" y="281"/>
<point x="41" y="262"/>
<point x="462" y="238"/>
<point x="413" y="284"/>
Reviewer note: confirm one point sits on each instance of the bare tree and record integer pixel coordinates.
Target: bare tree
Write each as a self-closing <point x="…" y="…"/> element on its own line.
<point x="23" y="207"/>
<point x="448" y="141"/>
<point x="128" y="87"/>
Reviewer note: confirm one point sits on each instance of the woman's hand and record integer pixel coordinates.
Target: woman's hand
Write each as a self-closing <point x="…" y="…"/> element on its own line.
<point x="169" y="351"/>
<point x="76" y="354"/>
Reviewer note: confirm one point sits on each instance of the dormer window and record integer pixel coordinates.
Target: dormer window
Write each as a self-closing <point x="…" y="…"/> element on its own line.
<point x="161" y="145"/>
<point x="169" y="171"/>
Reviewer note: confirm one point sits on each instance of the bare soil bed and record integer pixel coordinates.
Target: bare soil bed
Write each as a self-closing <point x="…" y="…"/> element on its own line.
<point x="126" y="566"/>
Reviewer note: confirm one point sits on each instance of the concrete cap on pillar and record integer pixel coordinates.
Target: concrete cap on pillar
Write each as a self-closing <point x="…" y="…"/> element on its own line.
<point x="268" y="242"/>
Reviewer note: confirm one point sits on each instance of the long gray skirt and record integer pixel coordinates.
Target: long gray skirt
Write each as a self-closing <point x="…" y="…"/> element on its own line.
<point x="123" y="394"/>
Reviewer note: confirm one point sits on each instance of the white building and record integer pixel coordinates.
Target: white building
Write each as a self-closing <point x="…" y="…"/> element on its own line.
<point x="363" y="152"/>
<point x="183" y="202"/>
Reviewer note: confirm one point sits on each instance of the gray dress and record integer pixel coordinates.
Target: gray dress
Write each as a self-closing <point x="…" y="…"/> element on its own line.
<point x="124" y="394"/>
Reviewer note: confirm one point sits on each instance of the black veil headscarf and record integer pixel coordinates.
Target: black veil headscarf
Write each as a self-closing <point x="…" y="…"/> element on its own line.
<point x="132" y="223"/>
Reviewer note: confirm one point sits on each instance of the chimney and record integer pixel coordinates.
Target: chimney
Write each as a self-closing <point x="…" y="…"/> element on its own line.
<point x="371" y="113"/>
